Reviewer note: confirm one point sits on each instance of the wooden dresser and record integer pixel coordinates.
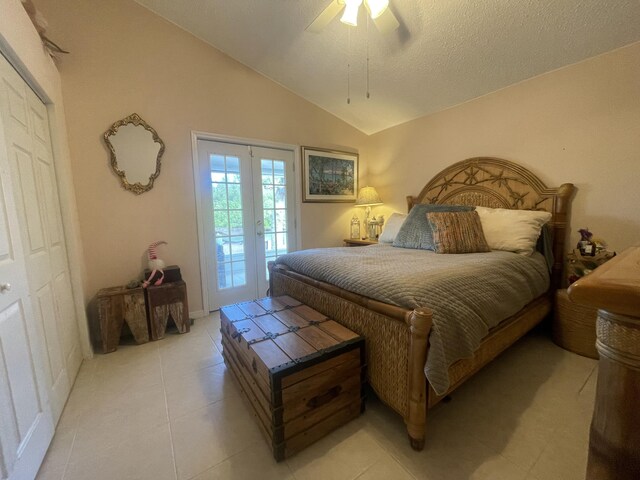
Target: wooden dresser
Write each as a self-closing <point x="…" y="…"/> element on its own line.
<point x="614" y="441"/>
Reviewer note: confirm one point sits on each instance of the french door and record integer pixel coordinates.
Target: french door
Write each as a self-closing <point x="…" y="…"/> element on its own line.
<point x="247" y="204"/>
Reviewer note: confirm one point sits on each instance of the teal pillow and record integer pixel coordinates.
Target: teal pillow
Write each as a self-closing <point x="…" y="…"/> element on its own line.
<point x="416" y="231"/>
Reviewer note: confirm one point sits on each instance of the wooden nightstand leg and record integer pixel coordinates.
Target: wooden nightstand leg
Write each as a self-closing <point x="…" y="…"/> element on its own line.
<point x="136" y="317"/>
<point x="180" y="317"/>
<point x="111" y="313"/>
<point x="166" y="300"/>
<point x="158" y="318"/>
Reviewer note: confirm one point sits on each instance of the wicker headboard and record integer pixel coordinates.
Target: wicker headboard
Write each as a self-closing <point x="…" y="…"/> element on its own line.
<point x="497" y="183"/>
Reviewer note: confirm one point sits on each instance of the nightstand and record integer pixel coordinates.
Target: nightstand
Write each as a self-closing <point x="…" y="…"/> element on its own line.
<point x="574" y="325"/>
<point x="354" y="242"/>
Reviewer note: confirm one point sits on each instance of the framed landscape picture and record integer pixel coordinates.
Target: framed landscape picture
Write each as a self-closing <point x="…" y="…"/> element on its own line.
<point x="329" y="176"/>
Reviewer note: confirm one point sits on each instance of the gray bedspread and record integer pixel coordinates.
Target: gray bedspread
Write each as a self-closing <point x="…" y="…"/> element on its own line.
<point x="468" y="294"/>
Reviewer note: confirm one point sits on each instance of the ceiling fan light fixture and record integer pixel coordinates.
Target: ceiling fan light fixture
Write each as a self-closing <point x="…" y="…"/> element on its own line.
<point x="377" y="7"/>
<point x="350" y="15"/>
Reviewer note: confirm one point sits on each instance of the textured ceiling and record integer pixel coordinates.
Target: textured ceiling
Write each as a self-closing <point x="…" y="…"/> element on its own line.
<point x="444" y="53"/>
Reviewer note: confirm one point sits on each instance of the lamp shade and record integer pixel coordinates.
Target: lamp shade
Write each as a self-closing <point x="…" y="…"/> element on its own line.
<point x="367" y="196"/>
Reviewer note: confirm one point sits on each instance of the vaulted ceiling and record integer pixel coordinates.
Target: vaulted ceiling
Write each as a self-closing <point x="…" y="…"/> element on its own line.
<point x="444" y="53"/>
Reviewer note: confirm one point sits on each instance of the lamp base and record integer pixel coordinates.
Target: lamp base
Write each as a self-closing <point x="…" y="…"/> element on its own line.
<point x="367" y="212"/>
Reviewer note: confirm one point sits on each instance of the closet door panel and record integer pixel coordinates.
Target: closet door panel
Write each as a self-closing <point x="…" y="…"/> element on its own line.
<point x="69" y="332"/>
<point x="48" y="191"/>
<point x="20" y="406"/>
<point x="46" y="311"/>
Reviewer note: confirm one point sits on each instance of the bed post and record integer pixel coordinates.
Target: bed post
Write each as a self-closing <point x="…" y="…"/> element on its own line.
<point x="420" y="325"/>
<point x="560" y="222"/>
<point x="411" y="201"/>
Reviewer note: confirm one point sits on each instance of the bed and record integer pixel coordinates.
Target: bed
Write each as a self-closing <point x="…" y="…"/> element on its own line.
<point x="397" y="337"/>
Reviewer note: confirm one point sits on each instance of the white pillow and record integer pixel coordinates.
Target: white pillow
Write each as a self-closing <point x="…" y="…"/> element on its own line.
<point x="392" y="227"/>
<point x="512" y="230"/>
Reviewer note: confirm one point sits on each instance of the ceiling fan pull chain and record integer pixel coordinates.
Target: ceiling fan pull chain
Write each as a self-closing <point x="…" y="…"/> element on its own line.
<point x="368" y="95"/>
<point x="348" y="66"/>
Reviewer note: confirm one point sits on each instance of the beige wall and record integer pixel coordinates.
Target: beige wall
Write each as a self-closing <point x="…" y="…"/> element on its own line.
<point x="580" y="124"/>
<point x="125" y="59"/>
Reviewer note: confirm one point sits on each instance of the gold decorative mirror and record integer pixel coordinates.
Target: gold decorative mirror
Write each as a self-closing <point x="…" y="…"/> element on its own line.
<point x="136" y="151"/>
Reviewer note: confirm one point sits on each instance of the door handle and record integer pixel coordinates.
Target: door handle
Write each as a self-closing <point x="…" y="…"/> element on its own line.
<point x="5" y="287"/>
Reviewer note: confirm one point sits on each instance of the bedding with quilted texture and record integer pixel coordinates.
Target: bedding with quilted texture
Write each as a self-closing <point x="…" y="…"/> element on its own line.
<point x="468" y="294"/>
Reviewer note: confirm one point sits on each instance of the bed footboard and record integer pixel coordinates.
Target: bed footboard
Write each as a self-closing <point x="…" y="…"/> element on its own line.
<point x="396" y="347"/>
<point x="397" y="342"/>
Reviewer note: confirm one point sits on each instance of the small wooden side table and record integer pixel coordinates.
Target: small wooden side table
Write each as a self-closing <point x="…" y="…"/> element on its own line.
<point x="165" y="301"/>
<point x="354" y="242"/>
<point x="117" y="305"/>
<point x="614" y="440"/>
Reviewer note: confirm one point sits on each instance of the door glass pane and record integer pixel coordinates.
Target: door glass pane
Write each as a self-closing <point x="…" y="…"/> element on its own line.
<point x="233" y="170"/>
<point x="280" y="196"/>
<point x="217" y="168"/>
<point x="281" y="243"/>
<point x="270" y="245"/>
<point x="269" y="221"/>
<point x="228" y="220"/>
<point x="238" y="272"/>
<point x="219" y="192"/>
<point x="278" y="173"/>
<point x="224" y="275"/>
<point x="281" y="220"/>
<point x="237" y="248"/>
<point x="235" y="195"/>
<point x="267" y="172"/>
<point x="267" y="196"/>
<point x="235" y="222"/>
<point x="223" y="249"/>
<point x="221" y="223"/>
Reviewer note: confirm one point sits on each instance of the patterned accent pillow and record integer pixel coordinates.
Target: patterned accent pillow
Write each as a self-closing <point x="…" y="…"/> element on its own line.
<point x="416" y="231"/>
<point x="457" y="232"/>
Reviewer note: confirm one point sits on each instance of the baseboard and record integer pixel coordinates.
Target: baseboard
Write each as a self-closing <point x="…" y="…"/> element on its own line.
<point x="197" y="314"/>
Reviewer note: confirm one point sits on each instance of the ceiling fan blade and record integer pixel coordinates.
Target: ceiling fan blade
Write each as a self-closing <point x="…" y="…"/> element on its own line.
<point x="325" y="16"/>
<point x="387" y="22"/>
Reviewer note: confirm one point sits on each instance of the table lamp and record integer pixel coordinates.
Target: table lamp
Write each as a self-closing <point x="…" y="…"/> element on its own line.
<point x="367" y="197"/>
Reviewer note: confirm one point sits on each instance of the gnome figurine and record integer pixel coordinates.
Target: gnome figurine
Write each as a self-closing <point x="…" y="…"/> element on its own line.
<point x="156" y="265"/>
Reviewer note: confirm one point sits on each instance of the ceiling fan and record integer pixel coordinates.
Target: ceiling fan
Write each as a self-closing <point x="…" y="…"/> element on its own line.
<point x="378" y="10"/>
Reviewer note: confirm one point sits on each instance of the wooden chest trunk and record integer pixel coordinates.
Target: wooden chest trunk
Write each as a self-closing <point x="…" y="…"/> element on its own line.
<point x="301" y="372"/>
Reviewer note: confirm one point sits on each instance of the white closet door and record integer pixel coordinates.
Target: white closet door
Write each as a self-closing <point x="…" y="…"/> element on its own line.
<point x="59" y="277"/>
<point x="26" y="424"/>
<point x="31" y="168"/>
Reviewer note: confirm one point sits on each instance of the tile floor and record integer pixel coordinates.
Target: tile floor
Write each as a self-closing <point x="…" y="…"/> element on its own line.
<point x="170" y="410"/>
